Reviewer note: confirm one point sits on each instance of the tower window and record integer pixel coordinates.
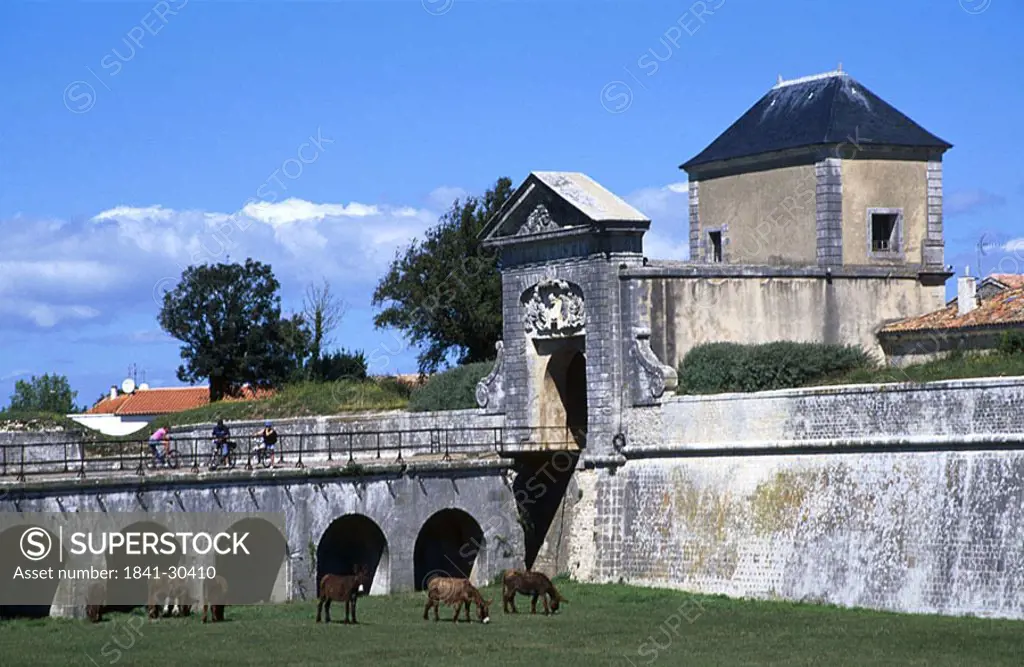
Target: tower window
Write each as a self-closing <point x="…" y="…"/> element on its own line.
<point x="715" y="242"/>
<point x="885" y="230"/>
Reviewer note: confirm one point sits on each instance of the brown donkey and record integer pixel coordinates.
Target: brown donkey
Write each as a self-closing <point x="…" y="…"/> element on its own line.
<point x="342" y="587"/>
<point x="456" y="592"/>
<point x="534" y="584"/>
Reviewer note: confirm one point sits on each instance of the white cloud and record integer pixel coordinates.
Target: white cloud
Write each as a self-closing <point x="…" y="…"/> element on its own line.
<point x="294" y="210"/>
<point x="45" y="315"/>
<point x="1014" y="245"/>
<point x="667" y="203"/>
<point x="443" y="197"/>
<point x="960" y="202"/>
<point x="657" y="246"/>
<point x="668" y="207"/>
<point x="134" y="213"/>
<point x="65" y="272"/>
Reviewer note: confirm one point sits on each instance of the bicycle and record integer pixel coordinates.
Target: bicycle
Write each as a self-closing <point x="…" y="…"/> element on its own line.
<point x="264" y="456"/>
<point x="171" y="459"/>
<point x="216" y="457"/>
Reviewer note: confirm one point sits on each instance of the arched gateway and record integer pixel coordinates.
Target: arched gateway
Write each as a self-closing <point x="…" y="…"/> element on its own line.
<point x="575" y="350"/>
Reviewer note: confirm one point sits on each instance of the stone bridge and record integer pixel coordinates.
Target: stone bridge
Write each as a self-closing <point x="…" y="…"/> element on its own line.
<point x="405" y="521"/>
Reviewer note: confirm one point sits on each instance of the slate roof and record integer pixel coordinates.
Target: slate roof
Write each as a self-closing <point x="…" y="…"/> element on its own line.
<point x="823" y="109"/>
<point x="1006" y="307"/>
<point x="586" y="194"/>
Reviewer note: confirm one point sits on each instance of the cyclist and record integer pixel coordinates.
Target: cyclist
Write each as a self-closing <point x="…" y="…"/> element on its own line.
<point x="160" y="435"/>
<point x="220" y="439"/>
<point x="269" y="436"/>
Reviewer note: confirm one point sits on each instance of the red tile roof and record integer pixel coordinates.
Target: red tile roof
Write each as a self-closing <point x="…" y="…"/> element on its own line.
<point x="1011" y="280"/>
<point x="162" y="401"/>
<point x="1004" y="308"/>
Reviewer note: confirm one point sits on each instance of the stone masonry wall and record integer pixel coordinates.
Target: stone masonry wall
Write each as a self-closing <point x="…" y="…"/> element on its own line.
<point x="953" y="408"/>
<point x="904" y="498"/>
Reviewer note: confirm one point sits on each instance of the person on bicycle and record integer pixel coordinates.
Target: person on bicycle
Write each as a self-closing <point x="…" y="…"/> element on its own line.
<point x="220" y="439"/>
<point x="269" y="436"/>
<point x="160" y="435"/>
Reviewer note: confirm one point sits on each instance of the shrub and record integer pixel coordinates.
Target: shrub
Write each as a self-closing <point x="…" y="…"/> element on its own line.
<point x="1011" y="342"/>
<point x="338" y="365"/>
<point x="454" y="389"/>
<point x="727" y="367"/>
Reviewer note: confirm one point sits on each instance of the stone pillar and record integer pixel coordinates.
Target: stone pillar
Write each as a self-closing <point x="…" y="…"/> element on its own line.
<point x="695" y="242"/>
<point x="933" y="247"/>
<point x="829" y="211"/>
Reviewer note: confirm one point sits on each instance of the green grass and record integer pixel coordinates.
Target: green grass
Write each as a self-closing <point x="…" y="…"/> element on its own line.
<point x="301" y="400"/>
<point x="37" y="421"/>
<point x="957" y="367"/>
<point x="602" y="625"/>
<point x="296" y="400"/>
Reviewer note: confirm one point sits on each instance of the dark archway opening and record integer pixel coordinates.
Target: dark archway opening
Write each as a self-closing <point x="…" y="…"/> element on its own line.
<point x="448" y="545"/>
<point x="350" y="540"/>
<point x="564" y="402"/>
<point x="126" y="594"/>
<point x="539" y="489"/>
<point x="251" y="577"/>
<point x="24" y="598"/>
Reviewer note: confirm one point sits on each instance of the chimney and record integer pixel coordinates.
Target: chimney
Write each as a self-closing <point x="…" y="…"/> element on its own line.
<point x="113" y="392"/>
<point x="966" y="293"/>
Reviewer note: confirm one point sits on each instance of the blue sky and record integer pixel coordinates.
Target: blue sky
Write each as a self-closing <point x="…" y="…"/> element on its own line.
<point x="338" y="131"/>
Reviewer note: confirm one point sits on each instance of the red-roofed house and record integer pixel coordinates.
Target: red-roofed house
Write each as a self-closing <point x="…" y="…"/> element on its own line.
<point x="973" y="322"/>
<point x="122" y="414"/>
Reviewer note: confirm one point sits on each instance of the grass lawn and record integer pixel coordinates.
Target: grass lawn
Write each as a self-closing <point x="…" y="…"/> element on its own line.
<point x="955" y="368"/>
<point x="602" y="625"/>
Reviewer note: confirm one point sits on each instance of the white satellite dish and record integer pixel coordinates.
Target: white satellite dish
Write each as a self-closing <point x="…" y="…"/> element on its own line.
<point x="128" y="386"/>
<point x="143" y="387"/>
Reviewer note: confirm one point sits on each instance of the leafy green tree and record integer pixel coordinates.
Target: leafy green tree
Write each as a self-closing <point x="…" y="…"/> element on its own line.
<point x="228" y="317"/>
<point x="444" y="293"/>
<point x="49" y="393"/>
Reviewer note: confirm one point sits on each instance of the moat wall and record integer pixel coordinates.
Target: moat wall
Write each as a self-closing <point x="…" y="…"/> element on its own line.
<point x="898" y="497"/>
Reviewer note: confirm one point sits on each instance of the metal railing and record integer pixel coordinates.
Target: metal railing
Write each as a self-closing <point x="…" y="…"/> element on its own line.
<point x="83" y="458"/>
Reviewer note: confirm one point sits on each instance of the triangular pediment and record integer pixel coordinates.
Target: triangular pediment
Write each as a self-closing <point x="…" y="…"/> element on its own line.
<point x="550" y="204"/>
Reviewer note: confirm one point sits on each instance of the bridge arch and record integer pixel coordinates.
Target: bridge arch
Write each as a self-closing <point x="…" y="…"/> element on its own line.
<point x="448" y="544"/>
<point x="350" y="540"/>
<point x="126" y="594"/>
<point x="251" y="578"/>
<point x="20" y="590"/>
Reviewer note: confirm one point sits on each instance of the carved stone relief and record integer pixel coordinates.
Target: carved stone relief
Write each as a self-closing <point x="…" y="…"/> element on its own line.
<point x="490" y="391"/>
<point x="538" y="222"/>
<point x="553" y="308"/>
<point x="650" y="377"/>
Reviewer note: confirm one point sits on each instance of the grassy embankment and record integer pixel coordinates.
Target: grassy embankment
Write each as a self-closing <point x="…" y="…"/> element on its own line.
<point x="602" y="625"/>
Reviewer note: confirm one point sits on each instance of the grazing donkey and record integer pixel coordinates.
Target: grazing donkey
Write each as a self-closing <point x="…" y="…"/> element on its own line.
<point x="94" y="602"/>
<point x="535" y="584"/>
<point x="168" y="598"/>
<point x="456" y="592"/>
<point x="342" y="587"/>
<point x="215" y="594"/>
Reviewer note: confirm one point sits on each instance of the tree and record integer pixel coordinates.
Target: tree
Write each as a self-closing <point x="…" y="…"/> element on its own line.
<point x="323" y="312"/>
<point x="49" y="393"/>
<point x="445" y="292"/>
<point x="229" y="318"/>
<point x="338" y="366"/>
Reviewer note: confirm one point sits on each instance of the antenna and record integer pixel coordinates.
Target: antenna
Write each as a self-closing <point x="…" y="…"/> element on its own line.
<point x="780" y="79"/>
<point x="840" y="68"/>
